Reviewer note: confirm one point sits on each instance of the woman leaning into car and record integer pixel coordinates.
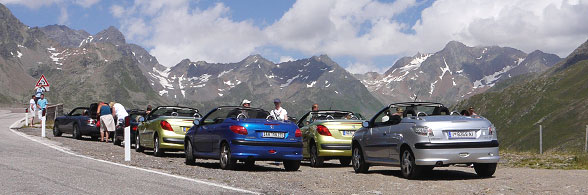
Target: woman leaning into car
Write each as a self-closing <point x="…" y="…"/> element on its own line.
<point x="106" y="120"/>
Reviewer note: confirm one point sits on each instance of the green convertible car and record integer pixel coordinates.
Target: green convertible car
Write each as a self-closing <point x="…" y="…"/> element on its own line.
<point x="164" y="129"/>
<point x="327" y="135"/>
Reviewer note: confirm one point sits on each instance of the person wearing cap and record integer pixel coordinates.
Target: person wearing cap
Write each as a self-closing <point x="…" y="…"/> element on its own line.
<point x="246" y="103"/>
<point x="279" y="113"/>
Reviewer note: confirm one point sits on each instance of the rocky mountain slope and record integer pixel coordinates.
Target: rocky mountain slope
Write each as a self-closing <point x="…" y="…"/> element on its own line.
<point x="80" y="70"/>
<point x="557" y="99"/>
<point x="454" y="73"/>
<point x="298" y="83"/>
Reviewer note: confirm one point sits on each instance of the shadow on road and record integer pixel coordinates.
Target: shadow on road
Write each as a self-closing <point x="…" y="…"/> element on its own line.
<point x="326" y="164"/>
<point x="241" y="167"/>
<point x="434" y="175"/>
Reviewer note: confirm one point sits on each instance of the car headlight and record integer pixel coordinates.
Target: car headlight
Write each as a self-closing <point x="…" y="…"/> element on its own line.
<point x="423" y="130"/>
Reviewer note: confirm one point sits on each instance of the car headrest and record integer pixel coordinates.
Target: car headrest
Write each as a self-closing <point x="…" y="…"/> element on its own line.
<point x="410" y="112"/>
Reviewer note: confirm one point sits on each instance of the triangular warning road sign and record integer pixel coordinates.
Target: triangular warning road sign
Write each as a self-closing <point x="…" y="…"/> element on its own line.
<point x="42" y="82"/>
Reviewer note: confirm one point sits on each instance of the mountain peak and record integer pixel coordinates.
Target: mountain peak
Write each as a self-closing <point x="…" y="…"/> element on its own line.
<point x="579" y="54"/>
<point x="454" y="45"/>
<point x="324" y="58"/>
<point x="255" y="58"/>
<point x="110" y="35"/>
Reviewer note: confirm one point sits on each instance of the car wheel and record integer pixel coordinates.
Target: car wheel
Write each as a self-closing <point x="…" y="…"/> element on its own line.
<point x="315" y="159"/>
<point x="138" y="146"/>
<point x="76" y="132"/>
<point x="157" y="151"/>
<point x="408" y="166"/>
<point x="345" y="161"/>
<point x="226" y="161"/>
<point x="485" y="169"/>
<point x="358" y="160"/>
<point x="249" y="163"/>
<point x="56" y="131"/>
<point x="115" y="140"/>
<point x="291" y="165"/>
<point x="188" y="152"/>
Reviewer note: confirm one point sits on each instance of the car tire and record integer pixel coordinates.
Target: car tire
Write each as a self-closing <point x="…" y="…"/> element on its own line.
<point x="188" y="152"/>
<point x="157" y="151"/>
<point x="345" y="161"/>
<point x="291" y="165"/>
<point x="138" y="146"/>
<point x="358" y="161"/>
<point x="485" y="169"/>
<point x="408" y="165"/>
<point x="56" y="131"/>
<point x="225" y="159"/>
<point x="76" y="134"/>
<point x="315" y="159"/>
<point x="115" y="140"/>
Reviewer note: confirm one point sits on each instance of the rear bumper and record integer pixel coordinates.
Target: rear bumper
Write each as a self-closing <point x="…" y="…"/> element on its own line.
<point x="256" y="150"/>
<point x="490" y="144"/>
<point x="172" y="141"/>
<point x="335" y="150"/>
<point x="448" y="156"/>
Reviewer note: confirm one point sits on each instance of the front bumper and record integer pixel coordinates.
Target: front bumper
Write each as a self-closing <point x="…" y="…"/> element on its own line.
<point x="446" y="156"/>
<point x="256" y="150"/>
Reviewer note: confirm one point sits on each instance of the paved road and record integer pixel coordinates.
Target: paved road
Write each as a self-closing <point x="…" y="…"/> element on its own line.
<point x="27" y="167"/>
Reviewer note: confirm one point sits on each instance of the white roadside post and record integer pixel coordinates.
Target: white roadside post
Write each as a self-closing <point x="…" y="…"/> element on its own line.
<point x="43" y="126"/>
<point x="127" y="139"/>
<point x="586" y="144"/>
<point x="540" y="139"/>
<point x="27" y="117"/>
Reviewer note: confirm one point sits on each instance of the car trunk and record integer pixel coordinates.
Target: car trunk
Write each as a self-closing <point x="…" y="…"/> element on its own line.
<point x="269" y="129"/>
<point x="458" y="129"/>
<point x="180" y="124"/>
<point x="342" y="129"/>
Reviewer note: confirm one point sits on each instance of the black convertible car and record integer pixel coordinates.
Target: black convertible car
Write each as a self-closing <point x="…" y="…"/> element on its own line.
<point x="80" y="121"/>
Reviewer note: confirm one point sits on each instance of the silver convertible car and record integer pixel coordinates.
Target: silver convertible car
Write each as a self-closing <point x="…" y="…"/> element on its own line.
<point x="418" y="136"/>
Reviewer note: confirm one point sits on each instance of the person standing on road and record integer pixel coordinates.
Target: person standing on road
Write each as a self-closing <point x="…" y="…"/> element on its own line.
<point x="120" y="112"/>
<point x="42" y="105"/>
<point x="32" y="108"/>
<point x="279" y="113"/>
<point x="106" y="121"/>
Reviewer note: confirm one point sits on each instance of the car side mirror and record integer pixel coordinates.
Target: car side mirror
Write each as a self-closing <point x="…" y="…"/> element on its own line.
<point x="141" y="119"/>
<point x="196" y="122"/>
<point x="365" y="124"/>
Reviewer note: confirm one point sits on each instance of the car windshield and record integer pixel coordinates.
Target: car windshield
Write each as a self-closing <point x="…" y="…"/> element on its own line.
<point x="423" y="107"/>
<point x="334" y="115"/>
<point x="173" y="111"/>
<point x="222" y="113"/>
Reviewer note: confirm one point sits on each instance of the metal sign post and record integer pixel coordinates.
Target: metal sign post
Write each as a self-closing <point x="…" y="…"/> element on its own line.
<point x="127" y="143"/>
<point x="540" y="139"/>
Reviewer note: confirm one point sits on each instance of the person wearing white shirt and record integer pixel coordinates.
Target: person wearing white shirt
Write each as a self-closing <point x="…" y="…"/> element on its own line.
<point x="32" y="108"/>
<point x="279" y="113"/>
<point x="120" y="112"/>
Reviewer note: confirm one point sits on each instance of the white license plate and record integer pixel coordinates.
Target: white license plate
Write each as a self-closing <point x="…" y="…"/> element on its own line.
<point x="461" y="134"/>
<point x="273" y="134"/>
<point x="347" y="133"/>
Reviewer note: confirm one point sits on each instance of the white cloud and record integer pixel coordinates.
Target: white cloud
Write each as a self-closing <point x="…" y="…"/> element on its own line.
<point x="360" y="68"/>
<point x="36" y="4"/>
<point x="361" y="29"/>
<point x="286" y="59"/>
<point x="86" y="3"/>
<point x="63" y="16"/>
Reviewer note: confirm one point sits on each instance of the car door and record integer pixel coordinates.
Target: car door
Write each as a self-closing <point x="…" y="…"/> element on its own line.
<point x="377" y="139"/>
<point x="396" y="139"/>
<point x="306" y="134"/>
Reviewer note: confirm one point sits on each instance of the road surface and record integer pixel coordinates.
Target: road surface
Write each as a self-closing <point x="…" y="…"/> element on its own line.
<point x="28" y="167"/>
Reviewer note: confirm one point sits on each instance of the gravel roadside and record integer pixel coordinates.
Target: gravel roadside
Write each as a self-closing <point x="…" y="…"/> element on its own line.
<point x="270" y="178"/>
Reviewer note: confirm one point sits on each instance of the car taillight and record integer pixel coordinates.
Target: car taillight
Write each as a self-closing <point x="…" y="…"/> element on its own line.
<point x="134" y="128"/>
<point x="91" y="121"/>
<point x="165" y="125"/>
<point x="298" y="133"/>
<point x="323" y="130"/>
<point x="238" y="129"/>
<point x="490" y="130"/>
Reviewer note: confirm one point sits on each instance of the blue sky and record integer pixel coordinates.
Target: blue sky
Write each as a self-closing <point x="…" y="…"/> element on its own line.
<point x="360" y="35"/>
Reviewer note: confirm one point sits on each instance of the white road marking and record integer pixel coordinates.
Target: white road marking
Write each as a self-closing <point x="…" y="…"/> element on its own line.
<point x="64" y="150"/>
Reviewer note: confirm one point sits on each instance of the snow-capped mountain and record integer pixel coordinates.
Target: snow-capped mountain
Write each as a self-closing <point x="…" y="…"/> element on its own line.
<point x="454" y="73"/>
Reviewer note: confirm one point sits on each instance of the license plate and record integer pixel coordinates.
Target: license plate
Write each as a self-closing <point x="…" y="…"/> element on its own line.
<point x="347" y="133"/>
<point x="185" y="129"/>
<point x="273" y="134"/>
<point x="461" y="134"/>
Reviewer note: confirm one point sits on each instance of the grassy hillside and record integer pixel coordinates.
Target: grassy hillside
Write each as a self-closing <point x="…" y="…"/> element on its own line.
<point x="558" y="101"/>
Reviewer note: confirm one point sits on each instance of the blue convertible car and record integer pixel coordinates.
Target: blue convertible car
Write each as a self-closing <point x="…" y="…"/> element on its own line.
<point x="232" y="133"/>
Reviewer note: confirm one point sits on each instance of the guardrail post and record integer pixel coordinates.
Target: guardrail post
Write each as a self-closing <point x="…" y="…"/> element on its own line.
<point x="540" y="139"/>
